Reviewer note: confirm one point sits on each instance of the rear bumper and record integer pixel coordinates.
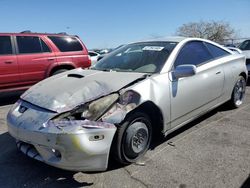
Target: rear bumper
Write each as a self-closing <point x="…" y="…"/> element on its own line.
<point x="73" y="147"/>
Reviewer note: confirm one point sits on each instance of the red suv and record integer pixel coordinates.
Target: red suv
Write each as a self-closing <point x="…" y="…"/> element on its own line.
<point x="26" y="58"/>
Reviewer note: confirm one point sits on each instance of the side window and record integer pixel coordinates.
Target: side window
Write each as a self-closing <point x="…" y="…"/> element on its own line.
<point x="45" y="48"/>
<point x="216" y="51"/>
<point x="66" y="44"/>
<point x="194" y="53"/>
<point x="28" y="44"/>
<point x="5" y="45"/>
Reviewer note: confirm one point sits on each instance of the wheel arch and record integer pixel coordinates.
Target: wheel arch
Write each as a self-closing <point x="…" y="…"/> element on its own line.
<point x="63" y="66"/>
<point x="155" y="115"/>
<point x="244" y="75"/>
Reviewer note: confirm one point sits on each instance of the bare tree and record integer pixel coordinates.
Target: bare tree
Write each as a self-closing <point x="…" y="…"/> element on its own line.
<point x="216" y="31"/>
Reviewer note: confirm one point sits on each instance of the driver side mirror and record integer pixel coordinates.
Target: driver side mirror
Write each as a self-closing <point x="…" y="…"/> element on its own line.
<point x="184" y="71"/>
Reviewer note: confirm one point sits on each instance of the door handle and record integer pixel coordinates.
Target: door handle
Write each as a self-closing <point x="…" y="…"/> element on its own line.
<point x="218" y="72"/>
<point x="8" y="62"/>
<point x="51" y="59"/>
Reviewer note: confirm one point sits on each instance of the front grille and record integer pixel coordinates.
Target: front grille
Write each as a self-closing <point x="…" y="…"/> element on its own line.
<point x="32" y="152"/>
<point x="28" y="150"/>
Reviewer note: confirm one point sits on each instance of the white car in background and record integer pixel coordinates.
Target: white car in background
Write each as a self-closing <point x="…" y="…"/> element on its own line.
<point x="235" y="50"/>
<point x="94" y="57"/>
<point x="245" y="47"/>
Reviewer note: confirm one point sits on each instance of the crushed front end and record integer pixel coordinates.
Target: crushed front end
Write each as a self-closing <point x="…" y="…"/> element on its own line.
<point x="72" y="145"/>
<point x="79" y="139"/>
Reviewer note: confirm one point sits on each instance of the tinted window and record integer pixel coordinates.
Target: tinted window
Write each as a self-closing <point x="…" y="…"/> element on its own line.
<point x="45" y="48"/>
<point x="194" y="53"/>
<point x="146" y="57"/>
<point x="27" y="44"/>
<point x="66" y="44"/>
<point x="216" y="51"/>
<point x="30" y="44"/>
<point x="5" y="45"/>
<point x="245" y="45"/>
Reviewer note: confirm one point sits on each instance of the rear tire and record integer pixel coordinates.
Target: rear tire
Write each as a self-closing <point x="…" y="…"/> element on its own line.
<point x="238" y="93"/>
<point x="133" y="138"/>
<point x="59" y="71"/>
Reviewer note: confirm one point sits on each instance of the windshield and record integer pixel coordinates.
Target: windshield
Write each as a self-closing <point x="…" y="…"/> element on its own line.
<point x="145" y="57"/>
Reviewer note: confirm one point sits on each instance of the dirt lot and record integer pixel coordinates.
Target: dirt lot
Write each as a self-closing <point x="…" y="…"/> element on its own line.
<point x="213" y="151"/>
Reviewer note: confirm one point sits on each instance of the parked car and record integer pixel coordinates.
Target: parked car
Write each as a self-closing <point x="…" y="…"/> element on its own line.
<point x="26" y="58"/>
<point x="245" y="47"/>
<point x="102" y="55"/>
<point x="230" y="45"/>
<point x="137" y="92"/>
<point x="234" y="49"/>
<point x="94" y="57"/>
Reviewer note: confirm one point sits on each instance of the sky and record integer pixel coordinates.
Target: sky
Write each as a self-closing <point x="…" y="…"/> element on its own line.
<point x="110" y="23"/>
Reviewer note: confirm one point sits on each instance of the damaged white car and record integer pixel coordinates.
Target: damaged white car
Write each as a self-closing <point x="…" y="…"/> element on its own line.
<point x="139" y="91"/>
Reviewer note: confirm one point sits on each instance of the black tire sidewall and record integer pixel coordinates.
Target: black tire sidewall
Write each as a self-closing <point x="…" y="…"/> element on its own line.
<point x="232" y="101"/>
<point x="122" y="138"/>
<point x="59" y="71"/>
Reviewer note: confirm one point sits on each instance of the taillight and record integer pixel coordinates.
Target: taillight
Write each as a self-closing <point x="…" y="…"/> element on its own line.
<point x="89" y="60"/>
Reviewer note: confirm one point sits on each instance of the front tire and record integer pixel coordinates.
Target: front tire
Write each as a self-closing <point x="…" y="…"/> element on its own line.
<point x="238" y="93"/>
<point x="133" y="138"/>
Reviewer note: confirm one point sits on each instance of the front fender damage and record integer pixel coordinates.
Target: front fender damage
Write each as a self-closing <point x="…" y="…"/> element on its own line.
<point x="127" y="102"/>
<point x="115" y="114"/>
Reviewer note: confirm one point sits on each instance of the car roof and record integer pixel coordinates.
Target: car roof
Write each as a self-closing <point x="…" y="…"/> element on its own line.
<point x="36" y="34"/>
<point x="164" y="39"/>
<point x="179" y="39"/>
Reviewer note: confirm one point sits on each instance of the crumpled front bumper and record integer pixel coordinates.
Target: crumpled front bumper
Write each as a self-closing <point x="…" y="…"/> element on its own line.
<point x="78" y="146"/>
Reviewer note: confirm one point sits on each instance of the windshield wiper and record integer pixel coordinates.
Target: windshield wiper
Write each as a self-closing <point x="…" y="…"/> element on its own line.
<point x="105" y="70"/>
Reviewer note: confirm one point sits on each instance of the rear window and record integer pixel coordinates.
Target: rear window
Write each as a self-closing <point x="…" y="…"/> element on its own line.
<point x="66" y="44"/>
<point x="216" y="51"/>
<point x="5" y="45"/>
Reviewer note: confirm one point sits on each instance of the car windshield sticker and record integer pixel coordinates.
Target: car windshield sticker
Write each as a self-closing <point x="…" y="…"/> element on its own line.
<point x="153" y="48"/>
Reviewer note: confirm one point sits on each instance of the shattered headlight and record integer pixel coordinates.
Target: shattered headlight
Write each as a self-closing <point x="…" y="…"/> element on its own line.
<point x="91" y="111"/>
<point x="128" y="101"/>
<point x="129" y="97"/>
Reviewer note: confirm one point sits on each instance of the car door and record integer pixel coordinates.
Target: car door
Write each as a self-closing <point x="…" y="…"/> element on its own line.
<point x="193" y="95"/>
<point x="8" y="63"/>
<point x="34" y="58"/>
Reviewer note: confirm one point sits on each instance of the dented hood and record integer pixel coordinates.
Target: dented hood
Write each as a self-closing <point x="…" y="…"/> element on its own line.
<point x="67" y="90"/>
